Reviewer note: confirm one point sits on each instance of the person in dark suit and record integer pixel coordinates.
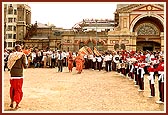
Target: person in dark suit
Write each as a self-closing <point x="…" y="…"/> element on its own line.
<point x="60" y="61"/>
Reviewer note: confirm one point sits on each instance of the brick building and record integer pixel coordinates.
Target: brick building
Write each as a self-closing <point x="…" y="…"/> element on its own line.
<point x="135" y="27"/>
<point x="16" y="19"/>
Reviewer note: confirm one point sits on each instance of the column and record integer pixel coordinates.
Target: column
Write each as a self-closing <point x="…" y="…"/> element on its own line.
<point x="162" y="41"/>
<point x="133" y="42"/>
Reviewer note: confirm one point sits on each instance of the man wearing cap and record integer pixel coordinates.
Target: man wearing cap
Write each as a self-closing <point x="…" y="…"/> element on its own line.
<point x="136" y="73"/>
<point x="151" y="71"/>
<point x="16" y="62"/>
<point x="131" y="72"/>
<point x="160" y="70"/>
<point x="141" y="73"/>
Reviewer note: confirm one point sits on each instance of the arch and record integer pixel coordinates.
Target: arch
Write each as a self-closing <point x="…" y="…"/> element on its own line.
<point x="116" y="46"/>
<point x="145" y="15"/>
<point x="147" y="29"/>
<point x="123" y="46"/>
<point x="78" y="42"/>
<point x="103" y="42"/>
<point x="89" y="40"/>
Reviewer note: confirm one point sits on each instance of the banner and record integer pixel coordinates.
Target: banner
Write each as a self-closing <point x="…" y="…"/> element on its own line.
<point x="96" y="52"/>
<point x="89" y="50"/>
<point x="83" y="51"/>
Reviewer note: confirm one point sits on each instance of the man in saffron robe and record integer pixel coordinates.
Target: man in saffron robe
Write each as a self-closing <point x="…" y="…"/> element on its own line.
<point x="70" y="61"/>
<point x="79" y="62"/>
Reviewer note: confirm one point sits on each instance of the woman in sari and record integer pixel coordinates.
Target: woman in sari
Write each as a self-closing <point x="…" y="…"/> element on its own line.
<point x="79" y="62"/>
<point x="70" y="61"/>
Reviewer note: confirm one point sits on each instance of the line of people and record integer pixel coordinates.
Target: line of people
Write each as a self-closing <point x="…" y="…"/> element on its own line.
<point x="136" y="66"/>
<point x="40" y="58"/>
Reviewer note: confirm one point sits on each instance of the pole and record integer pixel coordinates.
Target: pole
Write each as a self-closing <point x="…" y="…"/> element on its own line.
<point x="96" y="35"/>
<point x="42" y="44"/>
<point x="55" y="45"/>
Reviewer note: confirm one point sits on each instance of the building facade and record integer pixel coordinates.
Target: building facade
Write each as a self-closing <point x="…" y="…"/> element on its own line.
<point x="135" y="27"/>
<point x="16" y="19"/>
<point x="49" y="36"/>
<point x="140" y="27"/>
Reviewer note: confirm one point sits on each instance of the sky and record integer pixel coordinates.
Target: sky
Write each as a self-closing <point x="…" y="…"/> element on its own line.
<point x="67" y="14"/>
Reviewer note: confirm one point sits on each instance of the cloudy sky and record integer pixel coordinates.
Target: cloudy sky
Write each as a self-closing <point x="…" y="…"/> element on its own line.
<point x="67" y="14"/>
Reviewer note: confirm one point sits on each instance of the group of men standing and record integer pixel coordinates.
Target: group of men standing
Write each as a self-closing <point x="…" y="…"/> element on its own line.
<point x="44" y="59"/>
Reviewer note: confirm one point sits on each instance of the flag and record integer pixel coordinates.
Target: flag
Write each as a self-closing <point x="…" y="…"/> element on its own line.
<point x="89" y="50"/>
<point x="96" y="51"/>
<point x="83" y="51"/>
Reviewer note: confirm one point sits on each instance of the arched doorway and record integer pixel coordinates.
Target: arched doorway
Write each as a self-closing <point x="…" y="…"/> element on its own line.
<point x="148" y="31"/>
<point x="148" y="45"/>
<point x="116" y="46"/>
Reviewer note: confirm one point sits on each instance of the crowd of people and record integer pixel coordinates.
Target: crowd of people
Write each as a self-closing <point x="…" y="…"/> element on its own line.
<point x="131" y="64"/>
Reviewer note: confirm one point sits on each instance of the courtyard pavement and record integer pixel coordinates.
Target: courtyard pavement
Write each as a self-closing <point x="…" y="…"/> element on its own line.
<point x="46" y="90"/>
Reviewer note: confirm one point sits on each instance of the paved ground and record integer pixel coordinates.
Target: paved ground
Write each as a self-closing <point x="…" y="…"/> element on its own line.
<point x="92" y="91"/>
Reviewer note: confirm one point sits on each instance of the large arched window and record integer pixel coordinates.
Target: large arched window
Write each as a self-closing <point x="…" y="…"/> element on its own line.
<point x="116" y="46"/>
<point x="147" y="29"/>
<point x="123" y="46"/>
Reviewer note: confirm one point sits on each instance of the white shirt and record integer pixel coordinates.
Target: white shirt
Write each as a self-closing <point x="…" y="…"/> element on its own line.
<point x="85" y="56"/>
<point x="60" y="56"/>
<point x="64" y="54"/>
<point x="53" y="56"/>
<point x="49" y="53"/>
<point x="152" y="56"/>
<point x="67" y="54"/>
<point x="110" y="57"/>
<point x="99" y="59"/>
<point x="107" y="58"/>
<point x="90" y="57"/>
<point x="94" y="59"/>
